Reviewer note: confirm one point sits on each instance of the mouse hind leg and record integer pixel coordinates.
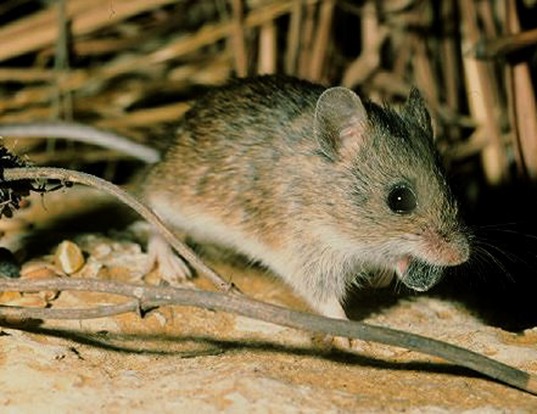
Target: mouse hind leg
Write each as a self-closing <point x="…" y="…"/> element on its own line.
<point x="331" y="307"/>
<point x="171" y="267"/>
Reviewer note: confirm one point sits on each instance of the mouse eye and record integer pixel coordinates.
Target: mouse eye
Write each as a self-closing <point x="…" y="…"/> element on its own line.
<point x="402" y="199"/>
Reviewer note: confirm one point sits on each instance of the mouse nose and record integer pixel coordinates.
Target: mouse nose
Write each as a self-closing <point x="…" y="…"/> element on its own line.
<point x="459" y="251"/>
<point x="449" y="248"/>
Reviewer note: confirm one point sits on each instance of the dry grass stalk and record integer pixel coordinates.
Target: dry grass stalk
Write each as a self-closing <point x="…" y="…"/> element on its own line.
<point x="480" y="83"/>
<point x="373" y="37"/>
<point x="238" y="39"/>
<point x="524" y="109"/>
<point x="322" y="38"/>
<point x="165" y="113"/>
<point x="138" y="50"/>
<point x="452" y="79"/>
<point x="267" y="57"/>
<point x="306" y="42"/>
<point x="493" y="48"/>
<point x="86" y="16"/>
<point x="293" y="37"/>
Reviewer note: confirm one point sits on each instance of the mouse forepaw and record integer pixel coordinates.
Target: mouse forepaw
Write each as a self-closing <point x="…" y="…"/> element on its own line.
<point x="171" y="267"/>
<point x="332" y="308"/>
<point x="352" y="345"/>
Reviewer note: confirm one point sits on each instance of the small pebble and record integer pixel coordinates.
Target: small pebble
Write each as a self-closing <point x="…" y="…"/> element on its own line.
<point x="31" y="301"/>
<point x="39" y="269"/>
<point x="68" y="257"/>
<point x="7" y="297"/>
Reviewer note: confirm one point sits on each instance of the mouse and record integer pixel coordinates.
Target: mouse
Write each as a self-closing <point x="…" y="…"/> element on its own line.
<point x="322" y="187"/>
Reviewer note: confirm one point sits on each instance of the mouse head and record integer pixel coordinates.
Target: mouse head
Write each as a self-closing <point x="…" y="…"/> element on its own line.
<point x="395" y="210"/>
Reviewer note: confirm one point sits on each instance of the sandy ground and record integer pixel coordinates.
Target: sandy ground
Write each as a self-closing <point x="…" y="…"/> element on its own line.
<point x="181" y="359"/>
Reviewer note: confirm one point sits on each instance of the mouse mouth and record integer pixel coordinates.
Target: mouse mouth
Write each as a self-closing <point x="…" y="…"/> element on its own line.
<point x="417" y="274"/>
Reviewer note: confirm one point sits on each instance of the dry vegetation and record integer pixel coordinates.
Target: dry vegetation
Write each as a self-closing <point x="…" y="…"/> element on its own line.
<point x="132" y="66"/>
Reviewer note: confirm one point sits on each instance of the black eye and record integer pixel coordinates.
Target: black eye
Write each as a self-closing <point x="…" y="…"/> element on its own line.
<point x="402" y="199"/>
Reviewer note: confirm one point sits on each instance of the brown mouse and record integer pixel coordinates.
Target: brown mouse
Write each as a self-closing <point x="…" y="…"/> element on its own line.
<point x="320" y="186"/>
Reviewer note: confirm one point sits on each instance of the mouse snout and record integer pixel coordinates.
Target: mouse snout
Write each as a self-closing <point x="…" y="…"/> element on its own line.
<point x="447" y="248"/>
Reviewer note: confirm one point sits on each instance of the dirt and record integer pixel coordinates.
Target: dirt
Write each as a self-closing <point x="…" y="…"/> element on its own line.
<point x="182" y="359"/>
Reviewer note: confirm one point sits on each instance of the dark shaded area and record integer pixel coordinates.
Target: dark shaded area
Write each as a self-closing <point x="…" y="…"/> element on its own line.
<point x="499" y="284"/>
<point x="9" y="266"/>
<point x="365" y="302"/>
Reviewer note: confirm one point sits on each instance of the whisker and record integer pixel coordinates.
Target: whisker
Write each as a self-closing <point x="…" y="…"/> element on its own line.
<point x="493" y="260"/>
<point x="515" y="233"/>
<point x="515" y="257"/>
<point x="398" y="286"/>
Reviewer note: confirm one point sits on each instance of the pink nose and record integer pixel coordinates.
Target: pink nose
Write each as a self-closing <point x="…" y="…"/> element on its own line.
<point x="453" y="250"/>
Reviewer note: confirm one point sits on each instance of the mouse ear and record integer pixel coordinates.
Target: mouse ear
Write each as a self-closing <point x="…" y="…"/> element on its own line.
<point x="416" y="109"/>
<point x="340" y="121"/>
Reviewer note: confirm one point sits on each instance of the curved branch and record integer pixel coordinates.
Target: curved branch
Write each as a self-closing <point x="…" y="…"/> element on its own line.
<point x="75" y="131"/>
